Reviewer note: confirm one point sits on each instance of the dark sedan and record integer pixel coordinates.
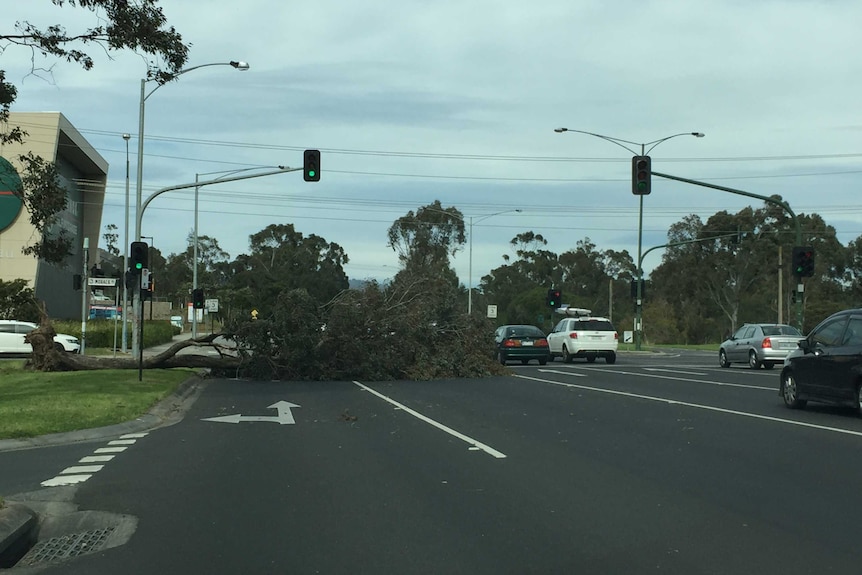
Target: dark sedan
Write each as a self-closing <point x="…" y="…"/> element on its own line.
<point x="827" y="366"/>
<point x="521" y="342"/>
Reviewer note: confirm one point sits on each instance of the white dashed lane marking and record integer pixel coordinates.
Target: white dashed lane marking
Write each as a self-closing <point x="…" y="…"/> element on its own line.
<point x="80" y="473"/>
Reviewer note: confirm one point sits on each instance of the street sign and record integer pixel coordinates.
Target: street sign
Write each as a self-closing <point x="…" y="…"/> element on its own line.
<point x="211" y="305"/>
<point x="492" y="311"/>
<point x="102" y="282"/>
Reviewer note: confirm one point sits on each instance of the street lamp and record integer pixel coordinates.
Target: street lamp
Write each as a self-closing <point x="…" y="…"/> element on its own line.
<point x="470" y="268"/>
<point x="644" y="151"/>
<point x="242" y="66"/>
<point x="126" y="137"/>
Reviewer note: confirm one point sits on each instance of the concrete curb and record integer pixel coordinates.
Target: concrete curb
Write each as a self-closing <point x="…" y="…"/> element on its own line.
<point x="17" y="525"/>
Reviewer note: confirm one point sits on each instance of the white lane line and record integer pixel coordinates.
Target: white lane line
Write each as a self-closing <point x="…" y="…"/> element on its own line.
<point x="133" y="436"/>
<point x="476" y="444"/>
<point x="111" y="450"/>
<point x="78" y="469"/>
<point x="123" y="442"/>
<point x="96" y="459"/>
<point x="65" y="480"/>
<point x="699" y="406"/>
<point x="576" y="374"/>
<point x="675" y="371"/>
<point x="688" y="379"/>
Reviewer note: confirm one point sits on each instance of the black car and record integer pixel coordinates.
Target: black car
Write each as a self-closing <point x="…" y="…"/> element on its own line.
<point x="521" y="342"/>
<point x="827" y="366"/>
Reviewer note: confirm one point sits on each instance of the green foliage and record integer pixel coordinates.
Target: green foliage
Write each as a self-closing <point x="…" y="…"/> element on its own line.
<point x="17" y="301"/>
<point x="45" y="199"/>
<point x="413" y="330"/>
<point x="100" y="332"/>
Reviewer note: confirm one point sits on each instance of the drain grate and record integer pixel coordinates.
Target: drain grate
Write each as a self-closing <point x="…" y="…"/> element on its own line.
<point x="65" y="547"/>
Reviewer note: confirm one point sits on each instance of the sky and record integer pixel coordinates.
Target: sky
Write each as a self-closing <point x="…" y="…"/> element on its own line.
<point x="412" y="102"/>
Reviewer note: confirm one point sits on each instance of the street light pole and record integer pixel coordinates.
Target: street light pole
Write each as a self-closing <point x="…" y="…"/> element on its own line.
<point x="470" y="266"/>
<point x="126" y="137"/>
<point x="644" y="151"/>
<point x="242" y="66"/>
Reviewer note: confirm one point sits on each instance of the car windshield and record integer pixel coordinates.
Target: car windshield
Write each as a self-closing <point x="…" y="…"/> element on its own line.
<point x="781" y="330"/>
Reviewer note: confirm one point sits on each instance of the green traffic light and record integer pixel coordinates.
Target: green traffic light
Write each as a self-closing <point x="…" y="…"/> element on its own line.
<point x="311" y="173"/>
<point x="139" y="266"/>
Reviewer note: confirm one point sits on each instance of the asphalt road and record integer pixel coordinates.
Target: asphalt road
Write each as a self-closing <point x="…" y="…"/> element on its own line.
<point x="664" y="464"/>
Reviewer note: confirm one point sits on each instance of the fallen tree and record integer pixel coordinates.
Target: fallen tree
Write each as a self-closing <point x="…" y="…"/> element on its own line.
<point x="46" y="357"/>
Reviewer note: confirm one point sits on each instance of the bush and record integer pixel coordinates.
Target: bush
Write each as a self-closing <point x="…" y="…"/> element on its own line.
<point x="100" y="332"/>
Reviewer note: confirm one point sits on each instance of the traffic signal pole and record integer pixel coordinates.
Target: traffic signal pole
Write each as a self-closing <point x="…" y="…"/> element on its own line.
<point x="780" y="203"/>
<point x="139" y="217"/>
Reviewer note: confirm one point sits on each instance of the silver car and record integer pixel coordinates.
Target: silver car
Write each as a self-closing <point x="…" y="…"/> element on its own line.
<point x="759" y="345"/>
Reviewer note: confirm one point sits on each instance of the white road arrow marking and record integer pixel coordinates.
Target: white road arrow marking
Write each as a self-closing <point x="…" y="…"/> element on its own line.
<point x="284" y="417"/>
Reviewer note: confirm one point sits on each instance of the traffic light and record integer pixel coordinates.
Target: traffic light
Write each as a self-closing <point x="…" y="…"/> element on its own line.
<point x="641" y="175"/>
<point x="139" y="253"/>
<point x="803" y="261"/>
<point x="311" y="165"/>
<point x="554" y="298"/>
<point x="198" y="298"/>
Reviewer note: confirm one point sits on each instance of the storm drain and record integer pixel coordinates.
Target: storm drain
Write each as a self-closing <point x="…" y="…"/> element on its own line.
<point x="65" y="547"/>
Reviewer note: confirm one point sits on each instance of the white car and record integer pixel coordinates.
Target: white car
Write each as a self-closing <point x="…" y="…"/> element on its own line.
<point x="12" y="334"/>
<point x="583" y="335"/>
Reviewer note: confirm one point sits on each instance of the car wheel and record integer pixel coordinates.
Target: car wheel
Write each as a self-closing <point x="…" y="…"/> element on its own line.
<point x="722" y="359"/>
<point x="859" y="397"/>
<point x="567" y="358"/>
<point x="611" y="358"/>
<point x="790" y="392"/>
<point x="59" y="347"/>
<point x="753" y="362"/>
<point x="502" y="357"/>
<point x="544" y="361"/>
<point x="591" y="359"/>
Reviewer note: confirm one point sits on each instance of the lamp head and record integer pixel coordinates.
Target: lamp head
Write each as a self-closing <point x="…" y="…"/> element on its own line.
<point x="561" y="130"/>
<point x="243" y="66"/>
<point x="698" y="134"/>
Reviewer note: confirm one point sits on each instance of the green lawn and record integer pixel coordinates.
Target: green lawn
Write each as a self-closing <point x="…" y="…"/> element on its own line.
<point x="37" y="403"/>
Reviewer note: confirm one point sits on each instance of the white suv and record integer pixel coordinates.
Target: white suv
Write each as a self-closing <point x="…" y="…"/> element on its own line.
<point x="12" y="334"/>
<point x="582" y="335"/>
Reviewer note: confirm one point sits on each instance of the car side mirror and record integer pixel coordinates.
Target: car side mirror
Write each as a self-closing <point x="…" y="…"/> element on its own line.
<point x="804" y="345"/>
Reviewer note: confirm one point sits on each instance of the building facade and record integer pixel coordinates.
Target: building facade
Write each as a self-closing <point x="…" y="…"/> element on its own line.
<point x="83" y="173"/>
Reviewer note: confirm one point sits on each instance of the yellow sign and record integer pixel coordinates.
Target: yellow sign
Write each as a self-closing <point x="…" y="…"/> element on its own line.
<point x="254" y="314"/>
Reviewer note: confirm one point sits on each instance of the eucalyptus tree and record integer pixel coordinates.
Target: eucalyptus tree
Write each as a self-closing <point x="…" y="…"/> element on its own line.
<point x="427" y="238"/>
<point x="118" y="25"/>
<point x="282" y="259"/>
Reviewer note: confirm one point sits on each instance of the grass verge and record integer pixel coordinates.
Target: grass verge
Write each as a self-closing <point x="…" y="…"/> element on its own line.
<point x="36" y="403"/>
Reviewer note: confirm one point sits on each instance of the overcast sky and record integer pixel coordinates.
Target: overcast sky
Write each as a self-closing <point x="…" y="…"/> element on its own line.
<point x="457" y="101"/>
